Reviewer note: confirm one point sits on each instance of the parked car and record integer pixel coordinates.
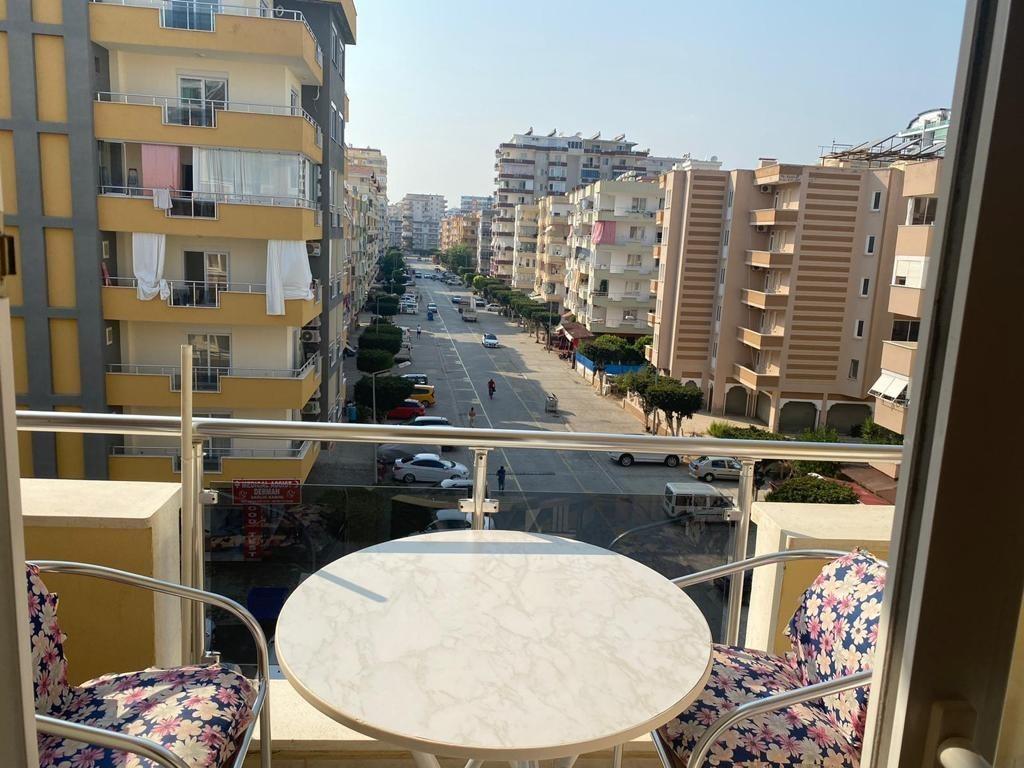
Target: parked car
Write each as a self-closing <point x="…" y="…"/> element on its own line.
<point x="407" y="410"/>
<point x="456" y="299"/>
<point x="389" y="452"/>
<point x="416" y="378"/>
<point x="479" y="303"/>
<point x="459" y="483"/>
<point x="424" y="393"/>
<point x="490" y="341"/>
<point x="430" y="421"/>
<point x="710" y="468"/>
<point x="625" y="459"/>
<point x="427" y="467"/>
<point x="493" y="308"/>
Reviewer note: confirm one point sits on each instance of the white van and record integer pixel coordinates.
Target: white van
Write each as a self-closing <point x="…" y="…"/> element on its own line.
<point x="699" y="501"/>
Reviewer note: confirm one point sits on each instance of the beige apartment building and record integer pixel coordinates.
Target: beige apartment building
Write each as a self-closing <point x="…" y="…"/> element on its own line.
<point x="772" y="289"/>
<point x="366" y="214"/>
<point x="552" y="233"/>
<point x="524" y="246"/>
<point x="460" y="229"/>
<point x="892" y="389"/>
<point x="610" y="258"/>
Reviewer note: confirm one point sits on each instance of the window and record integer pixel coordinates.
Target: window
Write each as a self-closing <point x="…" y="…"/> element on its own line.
<point x="334" y="123"/>
<point x="728" y="197"/>
<point x="633" y="260"/>
<point x="725" y="238"/>
<point x="721" y="275"/>
<point x="854" y="368"/>
<point x="339" y="123"/>
<point x="921" y="210"/>
<point x="629" y="315"/>
<point x="876" y="201"/>
<point x="865" y="286"/>
<point x="905" y="330"/>
<point x="909" y="272"/>
<point x="639" y="204"/>
<point x="858" y="329"/>
<point x="293" y="101"/>
<point x="636" y="233"/>
<point x="714" y="350"/>
<point x="211" y="358"/>
<point x="869" y="247"/>
<point x="199" y="99"/>
<point x="718" y="313"/>
<point x="335" y="47"/>
<point x="110" y="335"/>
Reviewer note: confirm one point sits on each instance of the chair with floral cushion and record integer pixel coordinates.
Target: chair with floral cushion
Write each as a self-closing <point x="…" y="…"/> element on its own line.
<point x="806" y="707"/>
<point x="184" y="717"/>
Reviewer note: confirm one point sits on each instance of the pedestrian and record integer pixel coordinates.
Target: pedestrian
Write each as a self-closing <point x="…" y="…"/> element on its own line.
<point x="472" y="415"/>
<point x="501" y="479"/>
<point x="490" y="389"/>
<point x="419" y="330"/>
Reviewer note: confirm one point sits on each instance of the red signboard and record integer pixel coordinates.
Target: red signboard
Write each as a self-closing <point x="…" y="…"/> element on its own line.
<point x="266" y="492"/>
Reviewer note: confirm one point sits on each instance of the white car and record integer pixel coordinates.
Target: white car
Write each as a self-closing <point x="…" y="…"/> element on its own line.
<point x="431" y="307"/>
<point x="493" y="308"/>
<point x="625" y="459"/>
<point x="455" y="520"/>
<point x="490" y="341"/>
<point x="459" y="483"/>
<point x="428" y="467"/>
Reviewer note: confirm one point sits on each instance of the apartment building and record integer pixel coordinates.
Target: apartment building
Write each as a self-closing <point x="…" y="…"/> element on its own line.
<point x="772" y="288"/>
<point x="168" y="186"/>
<point x="529" y="167"/>
<point x="483" y="241"/>
<point x="892" y="389"/>
<point x="524" y="246"/>
<point x="460" y="229"/>
<point x="366" y="189"/>
<point x="472" y="203"/>
<point x="394" y="225"/>
<point x="610" y="256"/>
<point x="421" y="221"/>
<point x="552" y="232"/>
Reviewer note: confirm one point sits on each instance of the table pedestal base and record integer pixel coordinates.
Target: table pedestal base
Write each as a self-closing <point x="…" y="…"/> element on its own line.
<point x="426" y="760"/>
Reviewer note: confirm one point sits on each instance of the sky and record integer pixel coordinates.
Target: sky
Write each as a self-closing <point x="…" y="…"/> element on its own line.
<point x="437" y="86"/>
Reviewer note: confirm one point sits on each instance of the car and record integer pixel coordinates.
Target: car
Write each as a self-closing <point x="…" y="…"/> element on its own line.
<point x="424" y="393"/>
<point x="461" y="483"/>
<point x="479" y="303"/>
<point x="427" y="467"/>
<point x="455" y="520"/>
<point x="493" y="308"/>
<point x="427" y="421"/>
<point x="710" y="468"/>
<point x="431" y="307"/>
<point x="456" y="299"/>
<point x="490" y="341"/>
<point x="628" y="459"/>
<point x="388" y="452"/>
<point x="416" y="378"/>
<point x="407" y="410"/>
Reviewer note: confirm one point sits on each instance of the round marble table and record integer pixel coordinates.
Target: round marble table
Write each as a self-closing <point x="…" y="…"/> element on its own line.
<point x="494" y="645"/>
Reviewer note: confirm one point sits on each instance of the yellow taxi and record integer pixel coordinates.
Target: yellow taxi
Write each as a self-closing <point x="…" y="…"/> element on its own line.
<point x="424" y="393"/>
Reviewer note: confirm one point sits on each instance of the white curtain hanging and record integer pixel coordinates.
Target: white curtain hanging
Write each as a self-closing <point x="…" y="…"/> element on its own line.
<point x="288" y="274"/>
<point x="272" y="177"/>
<point x="148" y="265"/>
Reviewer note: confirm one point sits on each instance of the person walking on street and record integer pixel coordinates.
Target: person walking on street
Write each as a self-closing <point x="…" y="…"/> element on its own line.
<point x="472" y="415"/>
<point x="419" y="330"/>
<point x="501" y="478"/>
<point x="490" y="389"/>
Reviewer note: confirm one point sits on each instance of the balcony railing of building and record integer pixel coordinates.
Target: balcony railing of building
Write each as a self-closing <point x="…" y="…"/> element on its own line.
<point x="197" y="293"/>
<point x="207" y="378"/>
<point x="212" y="457"/>
<point x="202" y="113"/>
<point x="189" y="204"/>
<point x="202" y="16"/>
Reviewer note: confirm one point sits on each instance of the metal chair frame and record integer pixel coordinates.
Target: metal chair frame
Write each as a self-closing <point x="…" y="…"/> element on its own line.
<point x="143" y="747"/>
<point x="776" y="701"/>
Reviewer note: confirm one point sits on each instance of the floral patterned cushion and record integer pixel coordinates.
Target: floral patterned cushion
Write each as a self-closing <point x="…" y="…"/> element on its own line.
<point x="803" y="734"/>
<point x="49" y="667"/>
<point x="835" y="630"/>
<point x="199" y="713"/>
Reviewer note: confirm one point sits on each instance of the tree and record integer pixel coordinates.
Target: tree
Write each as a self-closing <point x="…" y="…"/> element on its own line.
<point x="385" y="342"/>
<point x="640" y="383"/>
<point x="819" y="435"/>
<point x="676" y="401"/>
<point x="385" y="304"/>
<point x="384" y="329"/>
<point x="480" y="283"/>
<point x="374" y="360"/>
<point x="642" y="341"/>
<point x="871" y="432"/>
<point x="813" y="490"/>
<point x="456" y="257"/>
<point x="391" y="391"/>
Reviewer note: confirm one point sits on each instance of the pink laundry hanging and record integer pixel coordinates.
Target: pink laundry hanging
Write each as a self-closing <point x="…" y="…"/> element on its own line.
<point x="604" y="232"/>
<point x="161" y="168"/>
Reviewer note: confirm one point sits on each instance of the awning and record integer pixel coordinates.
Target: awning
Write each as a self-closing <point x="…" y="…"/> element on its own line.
<point x="891" y="386"/>
<point x="575" y="331"/>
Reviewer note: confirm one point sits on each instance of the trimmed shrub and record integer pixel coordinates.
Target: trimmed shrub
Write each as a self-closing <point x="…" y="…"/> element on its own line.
<point x="724" y="430"/>
<point x="391" y="344"/>
<point x="374" y="360"/>
<point x="812" y="490"/>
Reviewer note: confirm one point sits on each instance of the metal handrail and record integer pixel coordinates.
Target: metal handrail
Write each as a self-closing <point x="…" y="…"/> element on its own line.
<point x="135" y="424"/>
<point x="216" y="105"/>
<point x="710" y="574"/>
<point x="190" y="195"/>
<point x="248" y="373"/>
<point x="213" y="453"/>
<point x="261" y="706"/>
<point x="88" y="734"/>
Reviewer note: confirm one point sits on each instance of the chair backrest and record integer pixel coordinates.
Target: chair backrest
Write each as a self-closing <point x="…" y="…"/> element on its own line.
<point x="49" y="666"/>
<point x="835" y="630"/>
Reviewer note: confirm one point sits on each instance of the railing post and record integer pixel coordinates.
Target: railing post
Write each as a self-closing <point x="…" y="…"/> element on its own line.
<point x="479" y="486"/>
<point x="198" y="544"/>
<point x="742" y="533"/>
<point x="188" y="497"/>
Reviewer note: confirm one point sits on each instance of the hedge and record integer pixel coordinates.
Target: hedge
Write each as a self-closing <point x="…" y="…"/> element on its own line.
<point x="813" y="490"/>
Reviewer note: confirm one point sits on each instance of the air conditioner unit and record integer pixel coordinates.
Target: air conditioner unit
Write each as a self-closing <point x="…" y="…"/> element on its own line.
<point x="766" y="188"/>
<point x="311" y="407"/>
<point x="310" y="337"/>
<point x="761" y="228"/>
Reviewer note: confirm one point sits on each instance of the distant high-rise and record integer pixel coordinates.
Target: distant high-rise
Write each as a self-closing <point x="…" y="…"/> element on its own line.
<point x="366" y="187"/>
<point x="421" y="221"/>
<point x="470" y="203"/>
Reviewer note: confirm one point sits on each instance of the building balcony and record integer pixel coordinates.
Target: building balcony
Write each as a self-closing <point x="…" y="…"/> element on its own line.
<point x="779" y="173"/>
<point x="764" y="259"/>
<point x="764" y="376"/>
<point x="159" y="386"/>
<point x="905" y="300"/>
<point x="777" y="298"/>
<point x="187" y="122"/>
<point x="260" y="217"/>
<point x="774" y="217"/>
<point x="206" y="303"/>
<point x="889" y="414"/>
<point x="899" y="356"/>
<point x="759" y="340"/>
<point x="155" y="463"/>
<point x="914" y="239"/>
<point x="626" y="215"/>
<point x="189" y="30"/>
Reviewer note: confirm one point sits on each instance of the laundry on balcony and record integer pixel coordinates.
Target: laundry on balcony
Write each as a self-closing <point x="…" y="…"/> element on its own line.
<point x="288" y="274"/>
<point x="148" y="251"/>
<point x="162" y="198"/>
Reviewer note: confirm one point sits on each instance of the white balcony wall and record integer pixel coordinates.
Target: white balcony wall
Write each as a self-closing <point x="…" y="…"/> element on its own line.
<point x="251" y="346"/>
<point x="248" y="81"/>
<point x="247" y="259"/>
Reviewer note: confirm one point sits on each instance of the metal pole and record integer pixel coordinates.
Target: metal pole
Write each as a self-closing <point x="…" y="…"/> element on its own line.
<point x="373" y="388"/>
<point x="479" y="486"/>
<point x="742" y="532"/>
<point x="198" y="545"/>
<point x="188" y="497"/>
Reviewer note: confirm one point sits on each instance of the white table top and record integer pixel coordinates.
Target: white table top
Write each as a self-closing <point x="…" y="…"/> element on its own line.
<point x="494" y="645"/>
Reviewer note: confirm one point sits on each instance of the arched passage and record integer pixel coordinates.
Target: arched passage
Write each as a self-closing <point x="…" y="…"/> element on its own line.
<point x="798" y="415"/>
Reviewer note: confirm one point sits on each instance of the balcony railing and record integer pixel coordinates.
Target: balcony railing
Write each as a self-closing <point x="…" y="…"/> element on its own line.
<point x="212" y="457"/>
<point x="202" y="17"/>
<point x="201" y="113"/>
<point x="207" y="378"/>
<point x="197" y="293"/>
<point x="190" y="204"/>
